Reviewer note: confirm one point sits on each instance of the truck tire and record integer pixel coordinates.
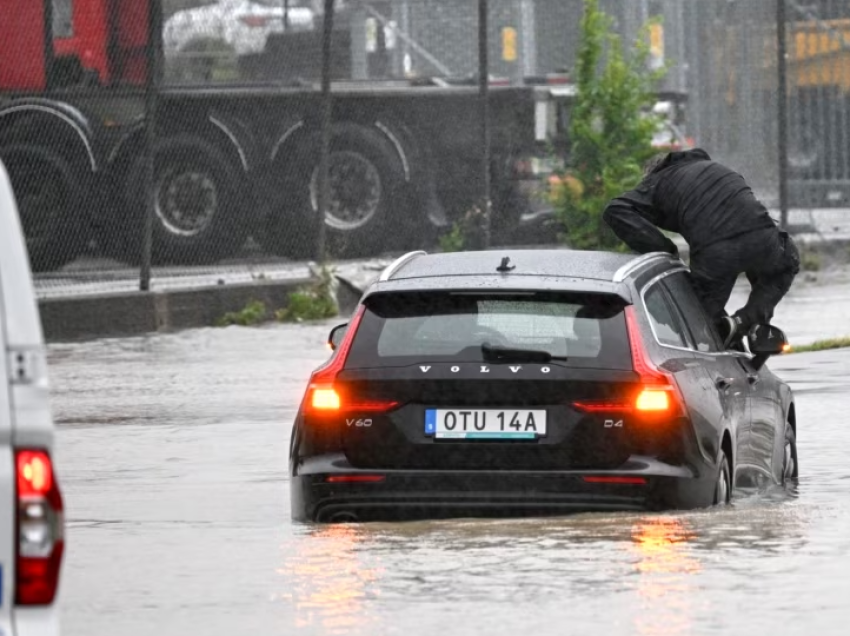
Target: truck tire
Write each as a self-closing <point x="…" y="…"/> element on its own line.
<point x="198" y="217"/>
<point x="49" y="194"/>
<point x="366" y="188"/>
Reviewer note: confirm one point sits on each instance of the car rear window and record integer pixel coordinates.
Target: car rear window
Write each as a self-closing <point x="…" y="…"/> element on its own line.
<point x="585" y="330"/>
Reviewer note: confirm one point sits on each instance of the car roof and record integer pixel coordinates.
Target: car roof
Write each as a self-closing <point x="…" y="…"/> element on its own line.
<point x="565" y="263"/>
<point x="530" y="269"/>
<point x="525" y="262"/>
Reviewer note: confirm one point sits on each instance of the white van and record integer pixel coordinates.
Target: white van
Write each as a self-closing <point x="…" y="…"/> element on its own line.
<point x="31" y="510"/>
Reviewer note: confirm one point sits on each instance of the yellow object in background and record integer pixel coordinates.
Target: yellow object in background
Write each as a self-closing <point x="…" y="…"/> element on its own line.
<point x="656" y="45"/>
<point x="509" y="44"/>
<point x="565" y="187"/>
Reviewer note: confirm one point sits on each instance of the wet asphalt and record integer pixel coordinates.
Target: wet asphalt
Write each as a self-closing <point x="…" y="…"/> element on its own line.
<point x="172" y="452"/>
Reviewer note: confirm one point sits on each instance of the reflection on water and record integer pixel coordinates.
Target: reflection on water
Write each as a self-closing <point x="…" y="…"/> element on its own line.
<point x="364" y="578"/>
<point x="326" y="583"/>
<point x="665" y="566"/>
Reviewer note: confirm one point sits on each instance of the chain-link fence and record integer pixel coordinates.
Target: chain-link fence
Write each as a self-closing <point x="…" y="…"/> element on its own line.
<point x="733" y="79"/>
<point x="234" y="188"/>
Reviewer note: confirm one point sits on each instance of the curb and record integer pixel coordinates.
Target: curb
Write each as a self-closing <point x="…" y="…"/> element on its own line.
<point x="137" y="313"/>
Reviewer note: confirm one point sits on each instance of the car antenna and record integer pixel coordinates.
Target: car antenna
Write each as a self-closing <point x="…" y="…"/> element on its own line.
<point x="504" y="267"/>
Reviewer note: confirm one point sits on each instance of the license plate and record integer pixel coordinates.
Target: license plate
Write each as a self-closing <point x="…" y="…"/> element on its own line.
<point x="485" y="423"/>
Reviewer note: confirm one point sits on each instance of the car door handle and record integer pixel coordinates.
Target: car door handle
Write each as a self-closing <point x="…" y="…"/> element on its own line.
<point x="723" y="383"/>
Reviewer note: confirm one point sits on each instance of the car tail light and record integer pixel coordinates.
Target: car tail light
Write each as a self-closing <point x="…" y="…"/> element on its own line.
<point x="604" y="407"/>
<point x="40" y="528"/>
<point x="329" y="399"/>
<point x="657" y="393"/>
<point x="255" y="21"/>
<point x="615" y="479"/>
<point x="354" y="479"/>
<point x="653" y="399"/>
<point x="325" y="397"/>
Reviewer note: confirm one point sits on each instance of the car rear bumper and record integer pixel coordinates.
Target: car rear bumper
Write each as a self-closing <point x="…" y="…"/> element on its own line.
<point x="640" y="484"/>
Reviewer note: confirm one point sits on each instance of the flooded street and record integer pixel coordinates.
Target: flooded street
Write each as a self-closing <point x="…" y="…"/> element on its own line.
<point x="172" y="451"/>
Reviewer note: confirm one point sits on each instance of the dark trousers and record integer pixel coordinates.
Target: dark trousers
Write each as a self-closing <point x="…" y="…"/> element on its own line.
<point x="768" y="257"/>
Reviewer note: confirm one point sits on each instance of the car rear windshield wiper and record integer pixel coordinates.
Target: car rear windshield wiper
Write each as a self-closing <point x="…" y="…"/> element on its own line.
<point x="506" y="354"/>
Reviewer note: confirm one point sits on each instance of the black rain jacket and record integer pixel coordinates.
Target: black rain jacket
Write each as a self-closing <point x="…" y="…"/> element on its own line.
<point x="691" y="195"/>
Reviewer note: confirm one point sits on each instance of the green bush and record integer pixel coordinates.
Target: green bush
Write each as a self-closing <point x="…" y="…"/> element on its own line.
<point x="823" y="345"/>
<point x="252" y="314"/>
<point x="611" y="129"/>
<point x="810" y="260"/>
<point x="453" y="240"/>
<point x="307" y="305"/>
<point x="465" y="233"/>
<point x="315" y="302"/>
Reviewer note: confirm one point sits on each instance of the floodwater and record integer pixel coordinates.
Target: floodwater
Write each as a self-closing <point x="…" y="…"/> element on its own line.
<point x="172" y="451"/>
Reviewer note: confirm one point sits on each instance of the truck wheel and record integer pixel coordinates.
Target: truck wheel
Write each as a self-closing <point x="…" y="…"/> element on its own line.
<point x="366" y="182"/>
<point x="197" y="205"/>
<point x="49" y="197"/>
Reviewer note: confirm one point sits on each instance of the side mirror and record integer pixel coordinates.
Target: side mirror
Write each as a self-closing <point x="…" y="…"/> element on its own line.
<point x="336" y="336"/>
<point x="766" y="341"/>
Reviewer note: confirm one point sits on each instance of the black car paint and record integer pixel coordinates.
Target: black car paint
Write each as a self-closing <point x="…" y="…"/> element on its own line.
<point x="750" y="403"/>
<point x="714" y="411"/>
<point x="722" y="391"/>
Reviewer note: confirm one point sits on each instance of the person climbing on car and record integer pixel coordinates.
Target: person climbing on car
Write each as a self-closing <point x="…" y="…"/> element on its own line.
<point x="728" y="230"/>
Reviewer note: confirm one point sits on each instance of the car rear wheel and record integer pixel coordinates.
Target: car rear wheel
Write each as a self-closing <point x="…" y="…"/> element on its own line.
<point x="790" y="469"/>
<point x="723" y="482"/>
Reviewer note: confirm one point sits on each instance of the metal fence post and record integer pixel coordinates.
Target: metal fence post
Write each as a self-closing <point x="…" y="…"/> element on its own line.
<point x="151" y="94"/>
<point x="484" y="94"/>
<point x="327" y="122"/>
<point x="782" y="115"/>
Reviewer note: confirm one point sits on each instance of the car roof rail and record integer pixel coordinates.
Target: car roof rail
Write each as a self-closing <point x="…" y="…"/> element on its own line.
<point x="398" y="263"/>
<point x="638" y="262"/>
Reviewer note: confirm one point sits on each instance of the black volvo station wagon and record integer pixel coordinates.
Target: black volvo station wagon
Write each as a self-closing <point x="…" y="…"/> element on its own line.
<point x="530" y="382"/>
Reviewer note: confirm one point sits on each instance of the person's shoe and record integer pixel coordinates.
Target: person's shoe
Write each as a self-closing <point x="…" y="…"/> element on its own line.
<point x="730" y="329"/>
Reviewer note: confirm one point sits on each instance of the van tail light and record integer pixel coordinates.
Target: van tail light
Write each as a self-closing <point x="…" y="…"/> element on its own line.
<point x="657" y="393"/>
<point x="40" y="528"/>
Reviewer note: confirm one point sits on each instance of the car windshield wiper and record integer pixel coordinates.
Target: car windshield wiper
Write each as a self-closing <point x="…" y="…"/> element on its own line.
<point x="506" y="354"/>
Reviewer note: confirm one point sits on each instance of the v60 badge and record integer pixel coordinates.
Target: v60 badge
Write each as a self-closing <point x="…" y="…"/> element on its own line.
<point x="357" y="422"/>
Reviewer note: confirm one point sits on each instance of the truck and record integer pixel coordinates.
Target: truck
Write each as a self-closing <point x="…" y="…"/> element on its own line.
<point x="239" y="159"/>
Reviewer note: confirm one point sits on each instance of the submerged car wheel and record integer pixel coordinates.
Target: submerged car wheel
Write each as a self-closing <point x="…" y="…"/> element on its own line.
<point x="723" y="483"/>
<point x="790" y="469"/>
